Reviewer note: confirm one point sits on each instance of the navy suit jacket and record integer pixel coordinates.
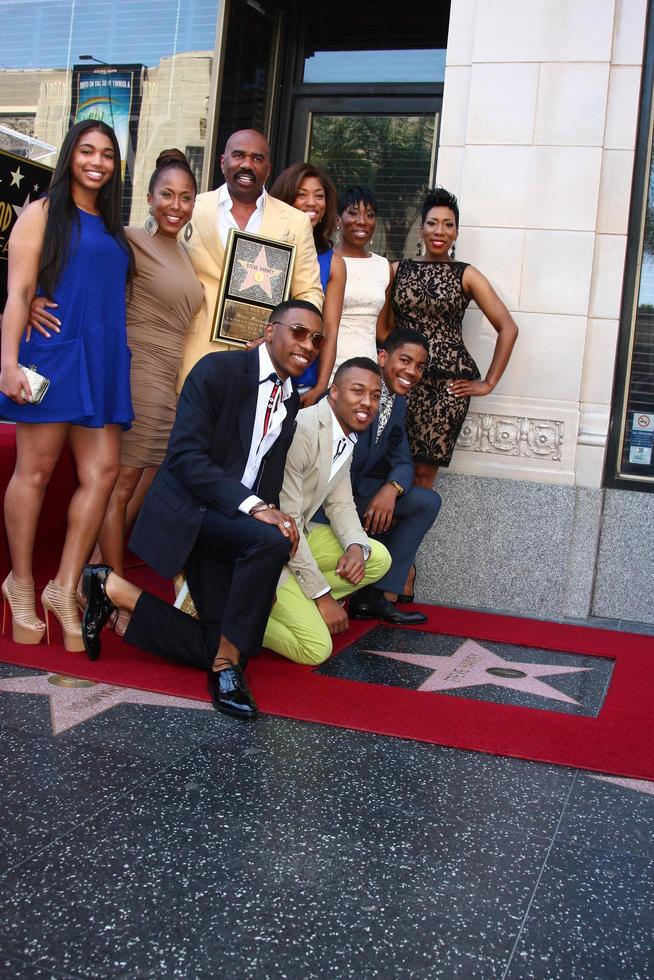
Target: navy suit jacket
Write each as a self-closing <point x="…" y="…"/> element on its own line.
<point x="207" y="453"/>
<point x="389" y="459"/>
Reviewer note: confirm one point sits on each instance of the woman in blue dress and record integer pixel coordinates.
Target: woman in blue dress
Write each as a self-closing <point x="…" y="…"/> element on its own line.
<point x="310" y="189"/>
<point x="71" y="247"/>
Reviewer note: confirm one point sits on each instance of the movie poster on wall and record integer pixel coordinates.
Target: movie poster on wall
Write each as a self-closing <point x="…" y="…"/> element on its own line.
<point x="112" y="94"/>
<point x="21" y="182"/>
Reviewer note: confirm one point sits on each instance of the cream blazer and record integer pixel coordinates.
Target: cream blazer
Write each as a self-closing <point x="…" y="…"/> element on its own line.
<point x="307" y="487"/>
<point x="207" y="254"/>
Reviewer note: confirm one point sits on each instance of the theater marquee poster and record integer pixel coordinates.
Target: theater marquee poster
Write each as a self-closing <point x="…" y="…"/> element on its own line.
<point x="112" y="94"/>
<point x="21" y="182"/>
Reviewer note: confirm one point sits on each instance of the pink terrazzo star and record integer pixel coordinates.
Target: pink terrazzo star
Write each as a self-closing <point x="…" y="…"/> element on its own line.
<point x="259" y="273"/>
<point x="70" y="706"/>
<point x="469" y="667"/>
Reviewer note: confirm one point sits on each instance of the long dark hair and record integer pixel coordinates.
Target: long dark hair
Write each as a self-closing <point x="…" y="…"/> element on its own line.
<point x="63" y="215"/>
<point x="286" y="187"/>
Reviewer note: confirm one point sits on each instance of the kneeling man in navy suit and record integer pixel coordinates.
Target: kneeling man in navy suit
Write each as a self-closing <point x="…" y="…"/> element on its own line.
<point x="213" y="510"/>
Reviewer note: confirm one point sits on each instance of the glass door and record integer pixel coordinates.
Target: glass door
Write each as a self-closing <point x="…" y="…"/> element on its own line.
<point x="389" y="144"/>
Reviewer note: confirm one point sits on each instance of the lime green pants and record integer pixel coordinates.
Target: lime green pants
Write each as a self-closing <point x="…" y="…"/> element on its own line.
<point x="295" y="628"/>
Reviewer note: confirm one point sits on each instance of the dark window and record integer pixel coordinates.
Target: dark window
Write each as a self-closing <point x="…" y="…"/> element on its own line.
<point x="630" y="457"/>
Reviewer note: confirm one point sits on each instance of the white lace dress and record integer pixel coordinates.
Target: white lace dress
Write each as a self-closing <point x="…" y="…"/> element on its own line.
<point x="365" y="293"/>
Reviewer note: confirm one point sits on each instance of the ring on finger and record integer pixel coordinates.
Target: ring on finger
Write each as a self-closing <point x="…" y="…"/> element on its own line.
<point x="286" y="524"/>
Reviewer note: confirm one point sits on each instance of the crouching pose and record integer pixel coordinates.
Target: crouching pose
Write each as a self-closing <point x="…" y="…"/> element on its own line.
<point x="213" y="510"/>
<point x="391" y="508"/>
<point x="331" y="560"/>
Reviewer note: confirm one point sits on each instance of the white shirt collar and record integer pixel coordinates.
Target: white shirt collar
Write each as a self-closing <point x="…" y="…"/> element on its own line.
<point x="266" y="367"/>
<point x="337" y="431"/>
<point x="224" y="198"/>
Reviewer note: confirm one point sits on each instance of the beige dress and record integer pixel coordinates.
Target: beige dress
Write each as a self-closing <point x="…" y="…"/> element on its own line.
<point x="365" y="295"/>
<point x="166" y="295"/>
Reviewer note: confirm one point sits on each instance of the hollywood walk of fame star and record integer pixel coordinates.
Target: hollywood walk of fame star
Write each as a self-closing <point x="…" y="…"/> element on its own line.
<point x="70" y="706"/>
<point x="19" y="208"/>
<point x="259" y="273"/>
<point x="638" y="785"/>
<point x="472" y="665"/>
<point x="16" y="177"/>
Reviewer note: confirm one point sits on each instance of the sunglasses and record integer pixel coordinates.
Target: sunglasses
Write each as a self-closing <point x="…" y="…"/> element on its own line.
<point x="301" y="333"/>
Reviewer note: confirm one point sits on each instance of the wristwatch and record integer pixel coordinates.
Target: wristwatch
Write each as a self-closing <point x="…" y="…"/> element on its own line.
<point x="396" y="486"/>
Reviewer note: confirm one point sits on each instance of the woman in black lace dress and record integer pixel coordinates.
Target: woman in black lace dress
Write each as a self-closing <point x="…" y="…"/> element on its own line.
<point x="431" y="294"/>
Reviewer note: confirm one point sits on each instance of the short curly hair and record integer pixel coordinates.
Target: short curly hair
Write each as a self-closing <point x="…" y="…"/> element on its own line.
<point x="439" y="197"/>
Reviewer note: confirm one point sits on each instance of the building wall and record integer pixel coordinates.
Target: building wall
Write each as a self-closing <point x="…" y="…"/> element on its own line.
<point x="537" y="141"/>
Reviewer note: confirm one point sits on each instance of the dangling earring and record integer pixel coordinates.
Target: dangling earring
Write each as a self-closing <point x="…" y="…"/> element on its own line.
<point x="419" y="248"/>
<point x="188" y="231"/>
<point x="370" y="244"/>
<point x="337" y="236"/>
<point x="151" y="225"/>
<point x="453" y="252"/>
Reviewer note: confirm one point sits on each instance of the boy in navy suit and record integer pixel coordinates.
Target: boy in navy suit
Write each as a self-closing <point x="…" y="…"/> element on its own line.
<point x="391" y="508"/>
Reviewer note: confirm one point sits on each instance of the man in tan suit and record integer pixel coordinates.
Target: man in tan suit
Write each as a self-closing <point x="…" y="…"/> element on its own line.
<point x="242" y="202"/>
<point x="332" y="560"/>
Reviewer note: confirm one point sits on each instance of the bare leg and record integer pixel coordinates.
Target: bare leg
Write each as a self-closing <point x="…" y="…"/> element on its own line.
<point x="121" y="592"/>
<point x="425" y="475"/>
<point x="38" y="447"/>
<point x="111" y="539"/>
<point x="97" y="458"/>
<point x="137" y="498"/>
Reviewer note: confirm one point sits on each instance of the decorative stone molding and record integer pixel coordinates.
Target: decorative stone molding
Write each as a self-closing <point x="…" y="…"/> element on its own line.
<point x="593" y="425"/>
<point x="510" y="435"/>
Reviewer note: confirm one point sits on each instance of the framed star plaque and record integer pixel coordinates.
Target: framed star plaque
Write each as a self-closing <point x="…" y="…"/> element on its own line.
<point x="256" y="278"/>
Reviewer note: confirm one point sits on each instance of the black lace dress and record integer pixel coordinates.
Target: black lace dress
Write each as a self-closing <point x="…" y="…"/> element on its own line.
<point x="429" y="297"/>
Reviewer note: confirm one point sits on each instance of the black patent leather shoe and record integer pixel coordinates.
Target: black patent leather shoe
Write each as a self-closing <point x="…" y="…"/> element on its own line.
<point x="230" y="693"/>
<point x="382" y="608"/>
<point x="99" y="606"/>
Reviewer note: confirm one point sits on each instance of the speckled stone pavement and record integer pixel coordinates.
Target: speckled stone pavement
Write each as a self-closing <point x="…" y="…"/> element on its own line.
<point x="145" y="836"/>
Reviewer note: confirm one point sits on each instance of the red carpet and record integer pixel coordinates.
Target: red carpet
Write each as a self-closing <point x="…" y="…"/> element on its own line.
<point x="619" y="741"/>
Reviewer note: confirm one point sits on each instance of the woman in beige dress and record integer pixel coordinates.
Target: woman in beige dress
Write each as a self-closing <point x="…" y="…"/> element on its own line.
<point x="165" y="297"/>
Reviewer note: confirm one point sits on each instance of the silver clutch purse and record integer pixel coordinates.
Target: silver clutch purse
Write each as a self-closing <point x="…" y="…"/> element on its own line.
<point x="37" y="382"/>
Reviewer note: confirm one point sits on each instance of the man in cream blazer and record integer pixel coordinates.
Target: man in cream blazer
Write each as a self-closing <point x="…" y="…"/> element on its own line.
<point x="242" y="202"/>
<point x="332" y="560"/>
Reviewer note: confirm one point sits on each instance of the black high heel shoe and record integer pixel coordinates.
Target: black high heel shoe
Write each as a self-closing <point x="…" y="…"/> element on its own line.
<point x="99" y="606"/>
<point x="404" y="598"/>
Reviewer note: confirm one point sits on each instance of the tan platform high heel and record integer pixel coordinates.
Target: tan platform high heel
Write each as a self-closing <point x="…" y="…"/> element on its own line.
<point x="61" y="603"/>
<point x="26" y="627"/>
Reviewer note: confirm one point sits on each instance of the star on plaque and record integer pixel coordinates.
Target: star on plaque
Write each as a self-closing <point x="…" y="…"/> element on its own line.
<point x="19" y="208"/>
<point x="472" y="665"/>
<point x="259" y="273"/>
<point x="16" y="177"/>
<point x="74" y="701"/>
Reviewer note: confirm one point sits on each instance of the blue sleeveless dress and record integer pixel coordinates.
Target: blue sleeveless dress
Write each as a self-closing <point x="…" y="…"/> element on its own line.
<point x="88" y="361"/>
<point x="310" y="376"/>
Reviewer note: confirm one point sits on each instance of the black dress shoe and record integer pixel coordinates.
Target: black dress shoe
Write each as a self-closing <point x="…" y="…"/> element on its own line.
<point x="230" y="693"/>
<point x="383" y="608"/>
<point x="99" y="606"/>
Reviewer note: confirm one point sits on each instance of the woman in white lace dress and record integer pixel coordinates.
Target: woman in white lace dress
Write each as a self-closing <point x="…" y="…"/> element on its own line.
<point x="367" y="290"/>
